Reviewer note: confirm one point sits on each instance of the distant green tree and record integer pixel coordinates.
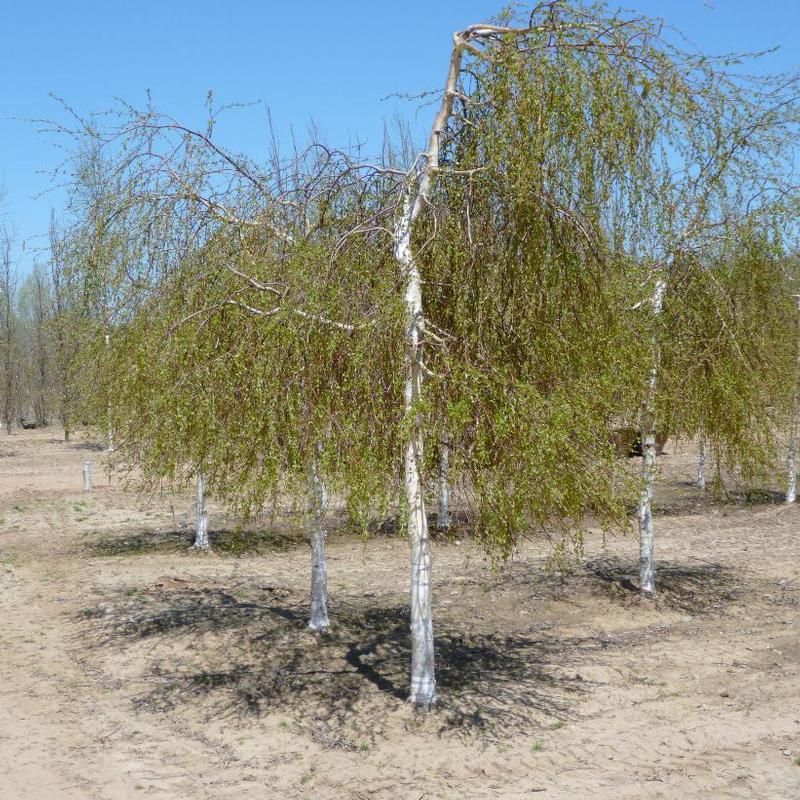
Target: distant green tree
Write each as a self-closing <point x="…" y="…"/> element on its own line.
<point x="36" y="351"/>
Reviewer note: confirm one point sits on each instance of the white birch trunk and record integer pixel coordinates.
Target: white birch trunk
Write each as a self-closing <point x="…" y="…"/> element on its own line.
<point x="423" y="680"/>
<point x="701" y="463"/>
<point x="443" y="516"/>
<point x="201" y="527"/>
<point x="87" y="476"/>
<point x="791" y="456"/>
<point x="108" y="410"/>
<point x="647" y="566"/>
<point x="317" y="501"/>
<point x="791" y="462"/>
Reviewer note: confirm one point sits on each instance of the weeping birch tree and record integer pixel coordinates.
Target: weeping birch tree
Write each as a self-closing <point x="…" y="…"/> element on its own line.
<point x="581" y="154"/>
<point x="334" y="315"/>
<point x="729" y="350"/>
<point x="252" y="357"/>
<point x="519" y="202"/>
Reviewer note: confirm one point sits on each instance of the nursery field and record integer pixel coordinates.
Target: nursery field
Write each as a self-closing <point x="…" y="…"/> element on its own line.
<point x="133" y="666"/>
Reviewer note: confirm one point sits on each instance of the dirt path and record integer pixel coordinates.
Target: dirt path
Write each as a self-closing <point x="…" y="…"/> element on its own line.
<point x="131" y="667"/>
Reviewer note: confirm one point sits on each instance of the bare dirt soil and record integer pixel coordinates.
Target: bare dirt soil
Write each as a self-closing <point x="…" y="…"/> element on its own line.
<point x="131" y="666"/>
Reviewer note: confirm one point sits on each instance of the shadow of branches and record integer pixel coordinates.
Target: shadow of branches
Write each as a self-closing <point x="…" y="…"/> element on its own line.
<point x="224" y="541"/>
<point x="693" y="588"/>
<point x="675" y="498"/>
<point x="245" y="653"/>
<point x="95" y="447"/>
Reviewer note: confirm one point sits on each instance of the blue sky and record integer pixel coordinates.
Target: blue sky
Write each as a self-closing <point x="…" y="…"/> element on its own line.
<point x="333" y="62"/>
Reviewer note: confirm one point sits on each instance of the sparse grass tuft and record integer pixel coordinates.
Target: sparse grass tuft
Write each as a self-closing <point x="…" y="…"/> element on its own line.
<point x="91" y="613"/>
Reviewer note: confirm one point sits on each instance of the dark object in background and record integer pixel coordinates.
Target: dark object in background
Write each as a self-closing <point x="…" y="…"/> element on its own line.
<point x="628" y="442"/>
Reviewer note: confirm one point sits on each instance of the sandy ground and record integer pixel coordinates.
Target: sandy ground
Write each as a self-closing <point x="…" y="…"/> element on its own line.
<point x="132" y="667"/>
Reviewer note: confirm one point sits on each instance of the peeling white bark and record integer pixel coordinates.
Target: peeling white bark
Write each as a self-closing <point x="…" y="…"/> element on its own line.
<point x="701" y="463"/>
<point x="201" y="528"/>
<point x="317" y="501"/>
<point x="87" y="476"/>
<point x="443" y="516"/>
<point x="647" y="566"/>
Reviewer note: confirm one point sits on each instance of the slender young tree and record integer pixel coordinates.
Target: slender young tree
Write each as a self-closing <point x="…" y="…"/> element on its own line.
<point x="64" y="328"/>
<point x="648" y="439"/>
<point x="8" y="320"/>
<point x="443" y="505"/>
<point x="33" y="313"/>
<point x="701" y="462"/>
<point x="317" y="501"/>
<point x="201" y="530"/>
<point x="791" y="457"/>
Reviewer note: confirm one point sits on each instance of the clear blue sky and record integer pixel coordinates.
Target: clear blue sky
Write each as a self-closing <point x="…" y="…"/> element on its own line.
<point x="334" y="62"/>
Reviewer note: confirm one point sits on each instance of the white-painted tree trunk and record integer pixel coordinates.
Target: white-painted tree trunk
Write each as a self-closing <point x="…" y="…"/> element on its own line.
<point x="423" y="680"/>
<point x="443" y="516"/>
<point x="108" y="410"/>
<point x="317" y="502"/>
<point x="201" y="507"/>
<point x="791" y="455"/>
<point x="647" y="566"/>
<point x="87" y="476"/>
<point x="791" y="462"/>
<point x="701" y="463"/>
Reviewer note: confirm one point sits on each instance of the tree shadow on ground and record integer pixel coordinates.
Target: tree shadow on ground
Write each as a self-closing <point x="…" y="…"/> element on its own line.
<point x="697" y="588"/>
<point x="755" y="497"/>
<point x="234" y="651"/>
<point x="96" y="447"/>
<point x="682" y="498"/>
<point x="692" y="588"/>
<point x="224" y="541"/>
